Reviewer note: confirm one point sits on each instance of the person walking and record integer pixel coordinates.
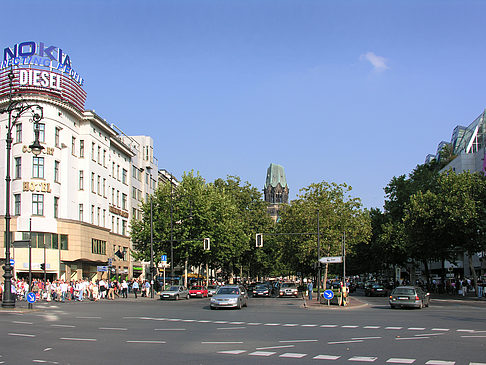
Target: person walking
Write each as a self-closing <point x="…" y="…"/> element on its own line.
<point x="310" y="288"/>
<point x="135" y="288"/>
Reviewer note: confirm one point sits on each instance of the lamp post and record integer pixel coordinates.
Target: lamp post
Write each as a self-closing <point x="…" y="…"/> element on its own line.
<point x="15" y="109"/>
<point x="151" y="251"/>
<point x="318" y="258"/>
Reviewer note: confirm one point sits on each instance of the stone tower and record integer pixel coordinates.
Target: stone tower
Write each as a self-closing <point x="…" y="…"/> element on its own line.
<point x="276" y="190"/>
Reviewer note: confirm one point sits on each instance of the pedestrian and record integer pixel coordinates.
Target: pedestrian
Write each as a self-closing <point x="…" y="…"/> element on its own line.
<point x="310" y="288"/>
<point x="135" y="287"/>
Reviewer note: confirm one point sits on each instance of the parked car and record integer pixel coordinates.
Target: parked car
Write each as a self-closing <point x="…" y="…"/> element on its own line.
<point x="288" y="290"/>
<point x="175" y="293"/>
<point x="375" y="290"/>
<point x="262" y="290"/>
<point x="409" y="296"/>
<point x="212" y="289"/>
<point x="198" y="291"/>
<point x="229" y="296"/>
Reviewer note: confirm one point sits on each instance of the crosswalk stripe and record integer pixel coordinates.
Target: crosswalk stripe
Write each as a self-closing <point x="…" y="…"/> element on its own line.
<point x="439" y="362"/>
<point x="363" y="358"/>
<point x="262" y="353"/>
<point x="326" y="357"/>
<point x="232" y="352"/>
<point x="400" y="361"/>
<point x="293" y="355"/>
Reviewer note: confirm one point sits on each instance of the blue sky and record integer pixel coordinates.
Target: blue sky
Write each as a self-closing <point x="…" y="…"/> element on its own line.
<point x="349" y="92"/>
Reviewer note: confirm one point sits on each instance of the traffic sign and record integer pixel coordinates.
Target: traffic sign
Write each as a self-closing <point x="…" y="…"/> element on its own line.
<point x="102" y="268"/>
<point x="331" y="260"/>
<point x="31" y="297"/>
<point x="110" y="261"/>
<point x="328" y="294"/>
<point x="163" y="258"/>
<point x="12" y="262"/>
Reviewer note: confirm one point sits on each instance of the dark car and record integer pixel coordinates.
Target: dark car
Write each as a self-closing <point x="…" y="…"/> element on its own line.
<point x="409" y="296"/>
<point x="262" y="290"/>
<point x="375" y="290"/>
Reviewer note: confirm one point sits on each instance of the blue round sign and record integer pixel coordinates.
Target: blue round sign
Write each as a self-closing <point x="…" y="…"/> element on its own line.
<point x="31" y="297"/>
<point x="328" y="294"/>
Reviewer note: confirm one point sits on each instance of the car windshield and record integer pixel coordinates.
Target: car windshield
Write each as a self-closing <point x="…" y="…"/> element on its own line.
<point x="404" y="291"/>
<point x="197" y="288"/>
<point x="228" y="291"/>
<point x="377" y="286"/>
<point x="288" y="285"/>
<point x="261" y="287"/>
<point x="174" y="288"/>
<point x="212" y="287"/>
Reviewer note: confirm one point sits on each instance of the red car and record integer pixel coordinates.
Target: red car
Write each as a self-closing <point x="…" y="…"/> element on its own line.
<point x="198" y="291"/>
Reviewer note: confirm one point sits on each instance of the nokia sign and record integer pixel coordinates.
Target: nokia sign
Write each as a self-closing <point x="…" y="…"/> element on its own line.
<point x="39" y="54"/>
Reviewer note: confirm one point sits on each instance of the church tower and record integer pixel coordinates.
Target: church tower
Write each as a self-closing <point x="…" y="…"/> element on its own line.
<point x="276" y="190"/>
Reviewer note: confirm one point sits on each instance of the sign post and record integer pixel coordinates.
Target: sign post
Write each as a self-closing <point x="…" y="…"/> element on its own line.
<point x="328" y="294"/>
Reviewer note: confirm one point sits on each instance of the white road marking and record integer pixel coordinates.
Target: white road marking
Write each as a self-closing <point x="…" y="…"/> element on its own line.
<point x="272" y="324"/>
<point x="363" y="358"/>
<point x="169" y="329"/>
<point x="146" y="341"/>
<point x="274" y="347"/>
<point x="326" y="357"/>
<point x="230" y="328"/>
<point x="374" y="327"/>
<point x="203" y="321"/>
<point x="220" y="322"/>
<point x="400" y="361"/>
<point x="309" y="325"/>
<point x="365" y="338"/>
<point x="262" y="353"/>
<point x="474" y="336"/>
<point x="287" y="341"/>
<point x="48" y="349"/>
<point x="441" y="329"/>
<point x="174" y="319"/>
<point x="236" y="322"/>
<point x="77" y="339"/>
<point x="44" y="361"/>
<point x="63" y="325"/>
<point x="232" y="352"/>
<point x="328" y="325"/>
<point x="439" y="362"/>
<point x="21" y="334"/>
<point x="349" y="326"/>
<point x="429" y="334"/>
<point x="220" y="342"/>
<point x="416" y="329"/>
<point x="339" y="342"/>
<point x="18" y="322"/>
<point x="255" y="323"/>
<point x="470" y="331"/>
<point x="477" y="363"/>
<point x="290" y="325"/>
<point x="113" y="329"/>
<point x="188" y="320"/>
<point x="393" y="328"/>
<point x="411" y="338"/>
<point x="293" y="355"/>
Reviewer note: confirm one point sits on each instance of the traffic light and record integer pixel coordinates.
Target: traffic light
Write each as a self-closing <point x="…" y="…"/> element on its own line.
<point x="43" y="266"/>
<point x="207" y="244"/>
<point x="259" y="240"/>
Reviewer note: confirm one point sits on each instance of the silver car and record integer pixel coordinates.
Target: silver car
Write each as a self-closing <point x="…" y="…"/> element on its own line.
<point x="409" y="296"/>
<point x="229" y="296"/>
<point x="175" y="293"/>
<point x="212" y="289"/>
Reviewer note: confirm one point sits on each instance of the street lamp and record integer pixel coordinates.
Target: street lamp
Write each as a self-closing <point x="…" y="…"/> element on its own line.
<point x="15" y="109"/>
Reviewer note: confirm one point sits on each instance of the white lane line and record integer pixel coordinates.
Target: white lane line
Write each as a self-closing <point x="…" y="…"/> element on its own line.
<point x="441" y="329"/>
<point x="470" y="331"/>
<point x="477" y="363"/>
<point x="474" y="336"/>
<point x="439" y="362"/>
<point x="363" y="358"/>
<point x="188" y="320"/>
<point x="19" y="322"/>
<point x="326" y="357"/>
<point x="349" y="326"/>
<point x="232" y="352"/>
<point x="174" y="319"/>
<point x="293" y="355"/>
<point x="274" y="347"/>
<point x="339" y="342"/>
<point x="230" y="328"/>
<point x="236" y="323"/>
<point x="329" y="325"/>
<point x="262" y="353"/>
<point x="77" y="339"/>
<point x="113" y="329"/>
<point x="221" y="342"/>
<point x="63" y="325"/>
<point x="400" y="361"/>
<point x="255" y="323"/>
<point x="89" y="317"/>
<point x="411" y="338"/>
<point x="272" y="324"/>
<point x="290" y="325"/>
<point x="373" y="327"/>
<point x="416" y="329"/>
<point x="220" y="322"/>
<point x="309" y="325"/>
<point x="429" y="334"/>
<point x="146" y="341"/>
<point x="21" y="334"/>
<point x="47" y="349"/>
<point x="365" y="338"/>
<point x="203" y="321"/>
<point x="287" y="341"/>
<point x="393" y="328"/>
<point x="169" y="329"/>
<point x="43" y="361"/>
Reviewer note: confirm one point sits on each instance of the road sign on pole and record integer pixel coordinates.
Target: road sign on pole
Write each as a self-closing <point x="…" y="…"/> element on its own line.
<point x="31" y="297"/>
<point x="331" y="260"/>
<point x="163" y="258"/>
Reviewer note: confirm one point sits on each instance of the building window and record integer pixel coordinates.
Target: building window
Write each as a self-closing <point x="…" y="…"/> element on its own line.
<point x="112" y="196"/>
<point x="99" y="155"/>
<point x="118" y="198"/>
<point x="56" y="171"/>
<point x="81" y="149"/>
<point x="98" y="183"/>
<point x="73" y="146"/>
<point x="18" y="167"/>
<point x="113" y="170"/>
<point x="64" y="241"/>
<point x="38" y="167"/>
<point x="113" y="224"/>
<point x="146" y="179"/>
<point x="93" y="151"/>
<point x="17" y="199"/>
<point x="18" y="133"/>
<point x="37" y="204"/>
<point x="124" y="201"/>
<point x="118" y="172"/>
<point x="92" y="214"/>
<point x="81" y="212"/>
<point x="104" y="187"/>
<point x="124" y="176"/>
<point x="57" y="132"/>
<point x="56" y="207"/>
<point x="98" y="246"/>
<point x="81" y="180"/>
<point x="42" y="132"/>
<point x="93" y="182"/>
<point x="104" y="158"/>
<point x="124" y="227"/>
<point x="118" y="225"/>
<point x="104" y="217"/>
<point x="134" y="192"/>
<point x="134" y="213"/>
<point x="98" y="216"/>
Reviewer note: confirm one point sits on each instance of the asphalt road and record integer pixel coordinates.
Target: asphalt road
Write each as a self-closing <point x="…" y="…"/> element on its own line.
<point x="269" y="331"/>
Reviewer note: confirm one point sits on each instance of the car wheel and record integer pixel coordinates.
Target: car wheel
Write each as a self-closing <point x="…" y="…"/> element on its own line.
<point x="421" y="304"/>
<point x="187" y="297"/>
<point x="176" y="297"/>
<point x="238" y="306"/>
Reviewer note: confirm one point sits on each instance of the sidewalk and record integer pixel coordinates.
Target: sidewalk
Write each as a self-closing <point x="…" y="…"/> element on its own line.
<point x="353" y="303"/>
